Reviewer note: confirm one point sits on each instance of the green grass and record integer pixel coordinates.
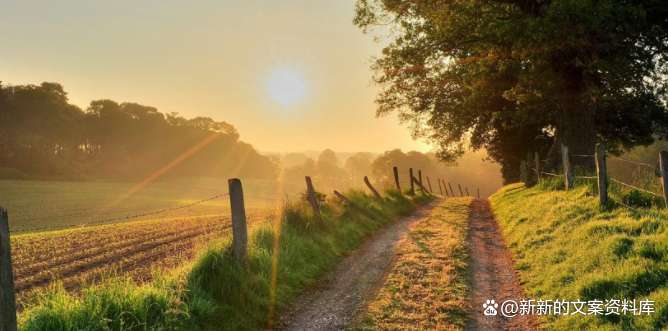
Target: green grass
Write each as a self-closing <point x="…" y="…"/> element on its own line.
<point x="566" y="247"/>
<point x="217" y="293"/>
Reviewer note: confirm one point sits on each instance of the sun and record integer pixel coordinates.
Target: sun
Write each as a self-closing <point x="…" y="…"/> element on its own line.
<point x="286" y="86"/>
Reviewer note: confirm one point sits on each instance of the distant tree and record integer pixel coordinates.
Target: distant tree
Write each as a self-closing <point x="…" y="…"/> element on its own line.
<point x="43" y="135"/>
<point x="506" y="74"/>
<point x="328" y="165"/>
<point x="358" y="165"/>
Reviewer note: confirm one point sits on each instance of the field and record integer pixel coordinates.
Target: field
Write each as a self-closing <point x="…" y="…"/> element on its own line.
<point x="215" y="290"/>
<point x="566" y="248"/>
<point x="159" y="227"/>
<point x="48" y="205"/>
<point x="137" y="249"/>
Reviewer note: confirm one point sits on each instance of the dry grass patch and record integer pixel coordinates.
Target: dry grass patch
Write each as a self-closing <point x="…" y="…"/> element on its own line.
<point x="427" y="286"/>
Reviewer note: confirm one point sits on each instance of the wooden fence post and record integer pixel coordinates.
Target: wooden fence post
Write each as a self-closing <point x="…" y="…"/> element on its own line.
<point x="239" y="230"/>
<point x="422" y="188"/>
<point x="420" y="176"/>
<point x="7" y="298"/>
<point x="373" y="190"/>
<point x="396" y="178"/>
<point x="440" y="187"/>
<point x="537" y="161"/>
<point x="467" y="191"/>
<point x="461" y="192"/>
<point x="568" y="175"/>
<point x="531" y="179"/>
<point x="410" y="179"/>
<point x="523" y="173"/>
<point x="311" y="196"/>
<point x="452" y="192"/>
<point x="429" y="185"/>
<point x="663" y="165"/>
<point x="602" y="174"/>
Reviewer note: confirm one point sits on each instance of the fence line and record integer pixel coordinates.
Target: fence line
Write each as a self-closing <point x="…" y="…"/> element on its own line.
<point x="551" y="174"/>
<point x="238" y="220"/>
<point x="586" y="177"/>
<point x="634" y="187"/>
<point x="583" y="155"/>
<point x="601" y="172"/>
<point x="634" y="162"/>
<point x="112" y="220"/>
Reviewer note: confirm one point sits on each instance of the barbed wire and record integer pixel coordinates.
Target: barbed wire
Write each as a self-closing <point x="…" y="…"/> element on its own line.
<point x="586" y="177"/>
<point x="126" y="217"/>
<point x="633" y="187"/>
<point x="583" y="155"/>
<point x="633" y="162"/>
<point x="551" y="174"/>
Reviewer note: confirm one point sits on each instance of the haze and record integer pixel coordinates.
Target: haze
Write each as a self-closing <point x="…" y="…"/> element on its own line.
<point x="290" y="75"/>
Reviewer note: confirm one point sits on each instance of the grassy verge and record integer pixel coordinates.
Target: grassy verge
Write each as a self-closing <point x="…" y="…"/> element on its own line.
<point x="217" y="293"/>
<point x="565" y="247"/>
<point x="427" y="287"/>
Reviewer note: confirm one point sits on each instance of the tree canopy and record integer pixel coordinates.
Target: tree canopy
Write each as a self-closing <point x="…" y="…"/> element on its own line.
<point x="42" y="135"/>
<point x="519" y="76"/>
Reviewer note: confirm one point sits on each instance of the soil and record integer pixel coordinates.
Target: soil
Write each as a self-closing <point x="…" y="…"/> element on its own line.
<point x="492" y="273"/>
<point x="334" y="303"/>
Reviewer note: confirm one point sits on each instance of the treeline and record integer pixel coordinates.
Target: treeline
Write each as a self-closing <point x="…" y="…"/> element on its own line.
<point x="42" y="135"/>
<point x="330" y="170"/>
<point x="519" y="77"/>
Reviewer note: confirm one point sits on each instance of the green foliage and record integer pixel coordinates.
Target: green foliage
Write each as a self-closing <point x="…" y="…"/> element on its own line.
<point x="566" y="247"/>
<point x="44" y="136"/>
<point x="635" y="198"/>
<point x="518" y="76"/>
<point x="115" y="305"/>
<point x="219" y="293"/>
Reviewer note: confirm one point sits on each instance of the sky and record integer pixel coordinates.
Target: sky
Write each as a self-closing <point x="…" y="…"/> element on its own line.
<point x="290" y="75"/>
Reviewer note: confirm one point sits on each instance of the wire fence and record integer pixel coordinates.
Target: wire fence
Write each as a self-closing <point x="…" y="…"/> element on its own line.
<point x="630" y="179"/>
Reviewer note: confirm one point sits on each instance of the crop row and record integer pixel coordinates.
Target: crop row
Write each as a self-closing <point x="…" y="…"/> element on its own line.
<point x="137" y="249"/>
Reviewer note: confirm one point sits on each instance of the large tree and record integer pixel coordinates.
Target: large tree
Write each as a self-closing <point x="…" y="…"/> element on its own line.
<point x="515" y="76"/>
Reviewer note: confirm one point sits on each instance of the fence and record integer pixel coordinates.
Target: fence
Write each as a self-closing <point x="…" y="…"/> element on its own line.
<point x="8" y="305"/>
<point x="602" y="177"/>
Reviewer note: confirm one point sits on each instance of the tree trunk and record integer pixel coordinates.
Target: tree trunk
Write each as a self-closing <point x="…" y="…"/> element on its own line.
<point x="578" y="132"/>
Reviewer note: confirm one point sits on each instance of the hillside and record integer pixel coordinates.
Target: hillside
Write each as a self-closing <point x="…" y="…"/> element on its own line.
<point x="566" y="248"/>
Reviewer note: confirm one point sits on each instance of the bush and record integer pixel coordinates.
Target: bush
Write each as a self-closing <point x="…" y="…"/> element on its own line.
<point x="635" y="198"/>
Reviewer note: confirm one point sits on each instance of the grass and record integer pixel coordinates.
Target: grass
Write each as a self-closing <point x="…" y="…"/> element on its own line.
<point x="35" y="205"/>
<point x="567" y="247"/>
<point x="427" y="287"/>
<point x="217" y="293"/>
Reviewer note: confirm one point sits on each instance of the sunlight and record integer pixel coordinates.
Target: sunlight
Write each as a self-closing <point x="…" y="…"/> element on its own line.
<point x="286" y="86"/>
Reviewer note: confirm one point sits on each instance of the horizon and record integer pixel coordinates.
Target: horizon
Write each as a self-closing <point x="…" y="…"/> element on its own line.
<point x="214" y="60"/>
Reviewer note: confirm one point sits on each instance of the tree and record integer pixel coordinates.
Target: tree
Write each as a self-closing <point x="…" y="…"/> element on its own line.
<point x="328" y="165"/>
<point x="488" y="73"/>
<point x="43" y="135"/>
<point x="358" y="165"/>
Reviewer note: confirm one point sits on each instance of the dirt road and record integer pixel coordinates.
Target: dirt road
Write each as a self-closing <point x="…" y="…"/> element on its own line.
<point x="334" y="304"/>
<point x="493" y="276"/>
<point x="357" y="279"/>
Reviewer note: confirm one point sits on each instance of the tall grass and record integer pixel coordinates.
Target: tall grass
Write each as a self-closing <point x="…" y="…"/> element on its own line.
<point x="218" y="293"/>
<point x="566" y="247"/>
